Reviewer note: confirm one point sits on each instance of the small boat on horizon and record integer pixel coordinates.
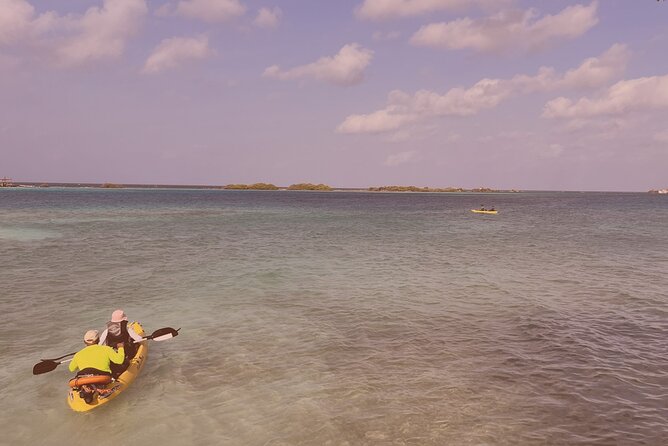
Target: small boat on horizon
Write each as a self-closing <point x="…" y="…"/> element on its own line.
<point x="485" y="211"/>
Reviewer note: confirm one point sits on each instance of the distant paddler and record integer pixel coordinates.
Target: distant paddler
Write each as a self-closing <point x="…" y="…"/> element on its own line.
<point x="483" y="210"/>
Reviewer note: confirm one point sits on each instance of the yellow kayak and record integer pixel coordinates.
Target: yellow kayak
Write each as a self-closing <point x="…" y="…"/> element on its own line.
<point x="117" y="386"/>
<point x="478" y="211"/>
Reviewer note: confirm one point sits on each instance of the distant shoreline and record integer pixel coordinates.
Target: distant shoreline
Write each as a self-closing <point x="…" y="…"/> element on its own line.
<point x="382" y="189"/>
<point x="385" y="189"/>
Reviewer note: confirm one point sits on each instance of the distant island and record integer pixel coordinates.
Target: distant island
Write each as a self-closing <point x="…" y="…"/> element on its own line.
<point x="309" y="186"/>
<point x="658" y="191"/>
<point x="269" y="186"/>
<point x="432" y="189"/>
<point x="325" y="187"/>
<point x="254" y="186"/>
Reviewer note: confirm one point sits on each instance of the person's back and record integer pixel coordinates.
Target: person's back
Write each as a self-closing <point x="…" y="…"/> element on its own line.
<point x="119" y="332"/>
<point x="95" y="358"/>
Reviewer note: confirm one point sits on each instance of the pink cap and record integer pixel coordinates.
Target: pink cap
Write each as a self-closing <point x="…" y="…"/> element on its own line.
<point x="118" y="316"/>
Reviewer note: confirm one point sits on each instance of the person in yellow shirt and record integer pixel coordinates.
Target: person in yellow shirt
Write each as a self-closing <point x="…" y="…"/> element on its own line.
<point x="95" y="359"/>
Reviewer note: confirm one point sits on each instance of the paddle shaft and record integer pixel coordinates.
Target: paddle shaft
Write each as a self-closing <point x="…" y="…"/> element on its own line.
<point x="60" y="357"/>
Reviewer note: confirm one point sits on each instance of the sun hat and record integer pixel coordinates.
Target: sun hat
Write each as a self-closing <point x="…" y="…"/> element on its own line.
<point x="91" y="336"/>
<point x="118" y="316"/>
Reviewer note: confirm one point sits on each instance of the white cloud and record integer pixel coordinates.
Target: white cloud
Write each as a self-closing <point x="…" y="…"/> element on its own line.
<point x="268" y="18"/>
<point x="390" y="118"/>
<point x="597" y="71"/>
<point x="661" y="136"/>
<point x="19" y="23"/>
<point x="345" y="68"/>
<point x="102" y="32"/>
<point x="400" y="158"/>
<point x="402" y="108"/>
<point x="553" y="151"/>
<point x="173" y="52"/>
<point x="15" y="19"/>
<point x="392" y="9"/>
<point x="642" y="94"/>
<point x="508" y="30"/>
<point x="210" y="10"/>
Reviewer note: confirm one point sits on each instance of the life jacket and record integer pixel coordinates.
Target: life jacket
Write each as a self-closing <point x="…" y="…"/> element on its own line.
<point x="117" y="332"/>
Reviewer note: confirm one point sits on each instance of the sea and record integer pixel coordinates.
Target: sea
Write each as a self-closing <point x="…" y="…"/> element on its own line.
<point x="341" y="318"/>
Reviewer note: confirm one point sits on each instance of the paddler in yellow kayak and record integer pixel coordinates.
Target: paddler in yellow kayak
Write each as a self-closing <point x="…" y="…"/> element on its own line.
<point x="119" y="331"/>
<point x="95" y="359"/>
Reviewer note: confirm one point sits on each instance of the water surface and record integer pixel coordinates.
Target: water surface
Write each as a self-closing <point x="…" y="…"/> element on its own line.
<point x="342" y="318"/>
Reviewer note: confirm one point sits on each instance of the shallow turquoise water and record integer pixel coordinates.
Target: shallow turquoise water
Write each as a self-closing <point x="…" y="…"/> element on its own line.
<point x="343" y="318"/>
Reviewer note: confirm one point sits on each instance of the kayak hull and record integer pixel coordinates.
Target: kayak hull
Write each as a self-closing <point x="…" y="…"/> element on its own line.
<point x="126" y="378"/>
<point x="478" y="211"/>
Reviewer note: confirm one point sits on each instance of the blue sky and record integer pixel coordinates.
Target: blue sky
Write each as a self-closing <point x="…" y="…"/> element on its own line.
<point x="558" y="95"/>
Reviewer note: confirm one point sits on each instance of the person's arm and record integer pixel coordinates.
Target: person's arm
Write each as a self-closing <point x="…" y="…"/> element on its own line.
<point x="73" y="363"/>
<point x="103" y="336"/>
<point x="135" y="337"/>
<point x="117" y="357"/>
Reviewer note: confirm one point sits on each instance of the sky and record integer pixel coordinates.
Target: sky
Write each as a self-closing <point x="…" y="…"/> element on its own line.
<point x="507" y="94"/>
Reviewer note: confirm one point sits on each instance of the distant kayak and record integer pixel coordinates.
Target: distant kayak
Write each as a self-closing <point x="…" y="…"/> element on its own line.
<point x="478" y="211"/>
<point x="115" y="387"/>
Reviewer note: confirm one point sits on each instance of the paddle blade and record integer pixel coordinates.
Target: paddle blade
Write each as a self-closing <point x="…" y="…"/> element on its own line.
<point x="163" y="333"/>
<point x="44" y="367"/>
<point x="163" y="337"/>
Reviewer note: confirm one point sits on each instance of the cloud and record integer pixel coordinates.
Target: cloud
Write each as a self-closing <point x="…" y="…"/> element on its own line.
<point x="661" y="136"/>
<point x="210" y="10"/>
<point x="642" y="94"/>
<point x="345" y="68"/>
<point x="402" y="108"/>
<point x="385" y="120"/>
<point x="100" y="33"/>
<point x="20" y="24"/>
<point x="400" y="158"/>
<point x="173" y="52"/>
<point x="508" y="30"/>
<point x="268" y="18"/>
<point x="16" y="18"/>
<point x="553" y="151"/>
<point x="393" y="9"/>
<point x="597" y="71"/>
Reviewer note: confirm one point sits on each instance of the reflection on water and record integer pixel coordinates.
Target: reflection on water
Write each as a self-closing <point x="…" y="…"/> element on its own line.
<point x="344" y="318"/>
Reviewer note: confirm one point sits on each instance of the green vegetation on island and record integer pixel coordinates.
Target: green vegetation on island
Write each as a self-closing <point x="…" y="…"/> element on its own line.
<point x="309" y="186"/>
<point x="414" y="189"/>
<point x="430" y="189"/>
<point x="255" y="186"/>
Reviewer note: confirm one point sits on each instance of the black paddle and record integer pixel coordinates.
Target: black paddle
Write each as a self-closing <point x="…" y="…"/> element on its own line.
<point x="162" y="334"/>
<point x="56" y="359"/>
<point x="47" y="365"/>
